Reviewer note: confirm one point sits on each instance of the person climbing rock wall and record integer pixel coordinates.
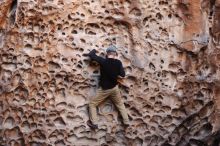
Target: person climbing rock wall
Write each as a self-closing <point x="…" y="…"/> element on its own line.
<point x="169" y="50"/>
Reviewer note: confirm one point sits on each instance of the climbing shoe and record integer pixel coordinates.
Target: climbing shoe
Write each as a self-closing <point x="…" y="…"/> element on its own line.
<point x="125" y="125"/>
<point x="91" y="125"/>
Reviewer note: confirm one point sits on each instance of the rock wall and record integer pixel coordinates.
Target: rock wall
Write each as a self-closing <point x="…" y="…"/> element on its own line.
<point x="170" y="51"/>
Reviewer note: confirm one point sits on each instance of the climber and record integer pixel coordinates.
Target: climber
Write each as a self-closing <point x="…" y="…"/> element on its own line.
<point x="111" y="69"/>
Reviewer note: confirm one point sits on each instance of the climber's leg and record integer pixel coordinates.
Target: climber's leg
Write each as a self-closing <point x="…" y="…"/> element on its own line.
<point x="100" y="97"/>
<point x="116" y="98"/>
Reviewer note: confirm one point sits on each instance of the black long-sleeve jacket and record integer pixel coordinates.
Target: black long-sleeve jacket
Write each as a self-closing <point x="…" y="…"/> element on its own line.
<point x="110" y="69"/>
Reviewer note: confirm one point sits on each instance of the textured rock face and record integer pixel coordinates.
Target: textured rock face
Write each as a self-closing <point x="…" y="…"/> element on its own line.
<point x="170" y="51"/>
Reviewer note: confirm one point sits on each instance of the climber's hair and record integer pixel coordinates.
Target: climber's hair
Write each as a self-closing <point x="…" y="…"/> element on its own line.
<point x="112" y="53"/>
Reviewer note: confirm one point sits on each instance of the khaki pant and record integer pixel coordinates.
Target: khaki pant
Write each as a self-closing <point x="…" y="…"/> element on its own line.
<point x="114" y="95"/>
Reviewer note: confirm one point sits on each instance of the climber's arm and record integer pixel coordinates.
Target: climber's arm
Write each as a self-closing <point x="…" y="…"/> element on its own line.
<point x="121" y="71"/>
<point x="93" y="56"/>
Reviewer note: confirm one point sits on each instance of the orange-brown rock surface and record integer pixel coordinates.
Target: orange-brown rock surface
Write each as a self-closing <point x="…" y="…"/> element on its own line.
<point x="170" y="50"/>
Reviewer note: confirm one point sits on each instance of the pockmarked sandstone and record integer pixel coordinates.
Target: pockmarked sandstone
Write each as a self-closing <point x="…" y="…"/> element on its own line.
<point x="170" y="50"/>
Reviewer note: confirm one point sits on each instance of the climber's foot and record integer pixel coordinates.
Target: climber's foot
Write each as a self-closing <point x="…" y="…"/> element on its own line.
<point x="125" y="124"/>
<point x="91" y="125"/>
